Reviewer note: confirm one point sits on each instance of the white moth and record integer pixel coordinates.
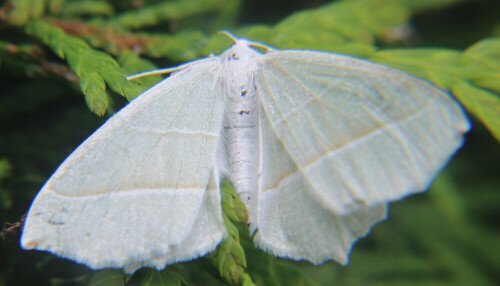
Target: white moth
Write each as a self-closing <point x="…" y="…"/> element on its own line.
<point x="316" y="144"/>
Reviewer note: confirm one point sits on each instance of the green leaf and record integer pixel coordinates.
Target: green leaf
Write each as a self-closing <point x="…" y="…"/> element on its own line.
<point x="436" y="65"/>
<point x="88" y="8"/>
<point x="94" y="88"/>
<point x="484" y="58"/>
<point x="483" y="104"/>
<point x="233" y="207"/>
<point x="21" y="11"/>
<point x="108" y="277"/>
<point x="170" y="10"/>
<point x="149" y="277"/>
<point x="94" y="68"/>
<point x="183" y="46"/>
<point x="229" y="257"/>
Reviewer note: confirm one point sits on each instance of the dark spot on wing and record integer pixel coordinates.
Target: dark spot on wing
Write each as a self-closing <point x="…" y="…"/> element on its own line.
<point x="55" y="222"/>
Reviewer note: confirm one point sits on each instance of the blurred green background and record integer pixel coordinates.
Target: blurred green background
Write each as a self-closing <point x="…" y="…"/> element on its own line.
<point x="62" y="67"/>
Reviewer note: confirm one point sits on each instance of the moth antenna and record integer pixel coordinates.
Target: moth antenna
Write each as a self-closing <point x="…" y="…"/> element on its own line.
<point x="168" y="70"/>
<point x="250" y="43"/>
<point x="262" y="46"/>
<point x="153" y="72"/>
<point x="229" y="35"/>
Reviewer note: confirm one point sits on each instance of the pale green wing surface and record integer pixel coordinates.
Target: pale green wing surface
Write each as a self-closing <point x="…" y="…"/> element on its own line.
<point x="142" y="190"/>
<point x="286" y="216"/>
<point x="361" y="134"/>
